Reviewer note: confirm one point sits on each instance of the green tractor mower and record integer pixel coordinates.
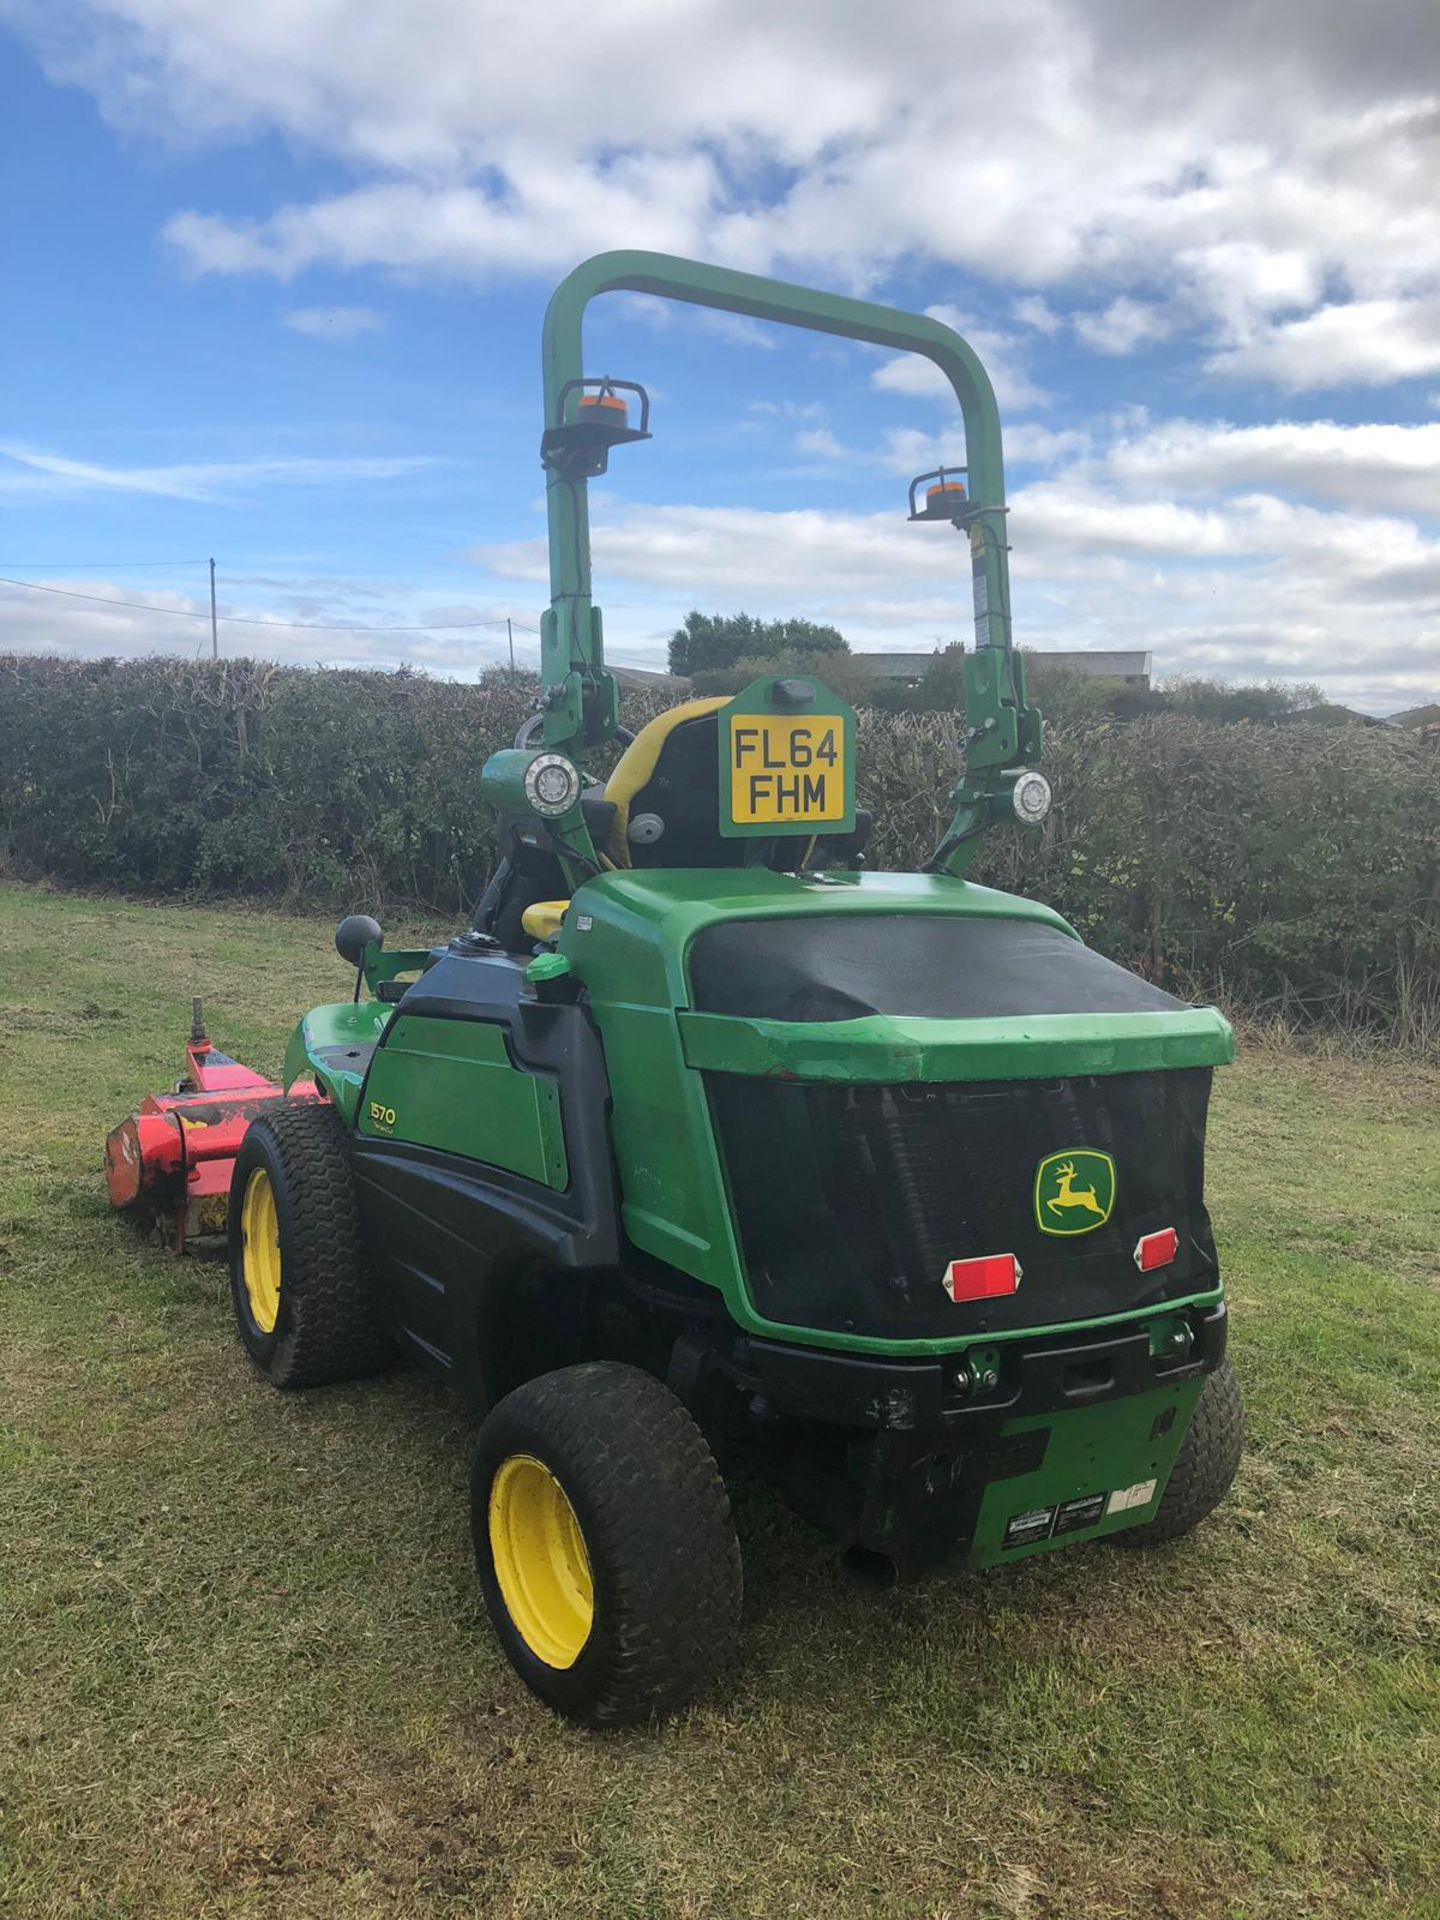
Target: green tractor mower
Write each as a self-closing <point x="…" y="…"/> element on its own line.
<point x="705" y="1140"/>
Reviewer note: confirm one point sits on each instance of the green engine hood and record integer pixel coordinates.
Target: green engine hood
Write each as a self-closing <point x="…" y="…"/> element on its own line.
<point x="630" y="937"/>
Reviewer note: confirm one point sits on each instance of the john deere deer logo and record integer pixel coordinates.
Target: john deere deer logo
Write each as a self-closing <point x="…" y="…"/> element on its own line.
<point x="1074" y="1191"/>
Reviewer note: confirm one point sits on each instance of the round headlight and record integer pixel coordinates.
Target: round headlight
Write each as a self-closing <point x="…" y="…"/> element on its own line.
<point x="552" y="785"/>
<point x="1030" y="797"/>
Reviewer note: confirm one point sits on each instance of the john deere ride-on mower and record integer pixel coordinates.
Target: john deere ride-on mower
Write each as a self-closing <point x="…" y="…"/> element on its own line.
<point x="707" y="1139"/>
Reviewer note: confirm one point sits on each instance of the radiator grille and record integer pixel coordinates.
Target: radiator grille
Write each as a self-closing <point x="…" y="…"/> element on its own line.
<point x="851" y="1200"/>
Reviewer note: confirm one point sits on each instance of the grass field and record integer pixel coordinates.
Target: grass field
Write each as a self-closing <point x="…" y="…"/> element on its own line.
<point x="244" y="1669"/>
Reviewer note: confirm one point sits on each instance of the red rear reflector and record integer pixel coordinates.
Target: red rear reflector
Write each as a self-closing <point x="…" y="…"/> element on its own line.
<point x="982" y="1279"/>
<point x="1154" y="1250"/>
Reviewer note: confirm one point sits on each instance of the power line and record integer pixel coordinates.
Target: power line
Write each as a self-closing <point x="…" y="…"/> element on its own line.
<point x="100" y="599"/>
<point x="289" y="626"/>
<point x="240" y="620"/>
<point x="92" y="566"/>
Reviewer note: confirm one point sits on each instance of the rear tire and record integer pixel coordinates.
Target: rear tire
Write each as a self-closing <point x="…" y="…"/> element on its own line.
<point x="299" y="1281"/>
<point x="604" y="1544"/>
<point x="1208" y="1459"/>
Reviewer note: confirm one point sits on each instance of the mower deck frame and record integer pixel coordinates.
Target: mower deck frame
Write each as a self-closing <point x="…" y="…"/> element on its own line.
<point x="173" y="1159"/>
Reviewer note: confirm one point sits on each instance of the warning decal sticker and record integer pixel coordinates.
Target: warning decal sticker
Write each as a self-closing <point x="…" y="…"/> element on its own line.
<point x="1030" y="1526"/>
<point x="1084" y="1512"/>
<point x="1124" y="1498"/>
<point x="1072" y="1516"/>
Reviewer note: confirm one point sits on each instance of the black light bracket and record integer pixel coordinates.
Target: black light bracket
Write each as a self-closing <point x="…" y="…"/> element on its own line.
<point x="948" y="480"/>
<point x="580" y="449"/>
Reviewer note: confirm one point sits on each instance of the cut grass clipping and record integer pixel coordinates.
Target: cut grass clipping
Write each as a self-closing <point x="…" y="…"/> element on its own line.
<point x="244" y="1668"/>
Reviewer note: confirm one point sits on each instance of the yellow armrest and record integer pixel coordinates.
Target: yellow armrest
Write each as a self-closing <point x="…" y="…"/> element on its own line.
<point x="542" y="921"/>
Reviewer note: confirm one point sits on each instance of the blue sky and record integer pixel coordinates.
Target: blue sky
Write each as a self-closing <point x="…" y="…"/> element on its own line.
<point x="273" y="286"/>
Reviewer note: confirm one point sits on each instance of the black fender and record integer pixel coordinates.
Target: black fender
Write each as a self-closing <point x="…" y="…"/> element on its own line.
<point x="457" y="1243"/>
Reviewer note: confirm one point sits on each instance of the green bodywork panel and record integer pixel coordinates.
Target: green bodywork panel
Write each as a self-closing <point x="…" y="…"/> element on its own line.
<point x="381" y="966"/>
<point x="451" y="1084"/>
<point x="1101" y="1450"/>
<point x="332" y="1045"/>
<point x="627" y="938"/>
<point x="887" y="1050"/>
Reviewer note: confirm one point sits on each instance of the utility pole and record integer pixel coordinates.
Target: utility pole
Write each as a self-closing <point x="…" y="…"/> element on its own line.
<point x="509" y="635"/>
<point x="214" y="623"/>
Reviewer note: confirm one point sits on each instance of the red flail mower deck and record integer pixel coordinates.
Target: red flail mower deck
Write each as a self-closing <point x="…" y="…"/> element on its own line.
<point x="173" y="1159"/>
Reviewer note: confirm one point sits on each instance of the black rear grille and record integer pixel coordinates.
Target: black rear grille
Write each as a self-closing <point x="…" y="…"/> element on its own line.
<point x="852" y="1200"/>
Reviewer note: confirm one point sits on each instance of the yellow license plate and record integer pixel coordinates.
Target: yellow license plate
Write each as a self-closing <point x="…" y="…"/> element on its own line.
<point x="786" y="772"/>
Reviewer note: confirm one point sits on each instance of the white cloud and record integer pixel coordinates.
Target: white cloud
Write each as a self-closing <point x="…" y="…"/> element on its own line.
<point x="1369" y="343"/>
<point x="34" y="472"/>
<point x="908" y="451"/>
<point x="1169" y="536"/>
<point x="742" y="553"/>
<point x="1234" y="579"/>
<point x="1064" y="518"/>
<point x="1123" y="326"/>
<point x="737" y="328"/>
<point x="338" y="324"/>
<point x="1036" y="312"/>
<point x="918" y="378"/>
<point x="1253" y="180"/>
<point x="1376" y="466"/>
<point x="755" y="554"/>
<point x="818" y="443"/>
<point x="786" y="409"/>
<point x="552" y="217"/>
<point x="1028" y="442"/>
<point x="833" y="136"/>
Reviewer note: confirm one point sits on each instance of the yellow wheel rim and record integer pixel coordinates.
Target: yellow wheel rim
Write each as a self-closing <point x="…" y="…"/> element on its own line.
<point x="540" y="1561"/>
<point x="260" y="1240"/>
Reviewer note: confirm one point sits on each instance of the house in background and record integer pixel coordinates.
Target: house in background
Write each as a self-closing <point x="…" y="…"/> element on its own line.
<point x="909" y="669"/>
<point x="647" y="677"/>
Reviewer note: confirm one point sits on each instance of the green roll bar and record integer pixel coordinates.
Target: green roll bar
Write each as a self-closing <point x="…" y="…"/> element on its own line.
<point x="580" y="698"/>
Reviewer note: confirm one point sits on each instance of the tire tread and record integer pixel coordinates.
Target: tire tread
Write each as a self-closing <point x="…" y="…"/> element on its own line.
<point x="332" y="1332"/>
<point x="658" y="1523"/>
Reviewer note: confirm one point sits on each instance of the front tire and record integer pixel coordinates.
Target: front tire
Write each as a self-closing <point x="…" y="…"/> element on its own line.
<point x="1207" y="1463"/>
<point x="299" y="1281"/>
<point x="604" y="1544"/>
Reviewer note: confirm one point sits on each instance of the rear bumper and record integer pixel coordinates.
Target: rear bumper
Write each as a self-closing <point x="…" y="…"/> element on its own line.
<point x="1047" y="1375"/>
<point x="1077" y="1436"/>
